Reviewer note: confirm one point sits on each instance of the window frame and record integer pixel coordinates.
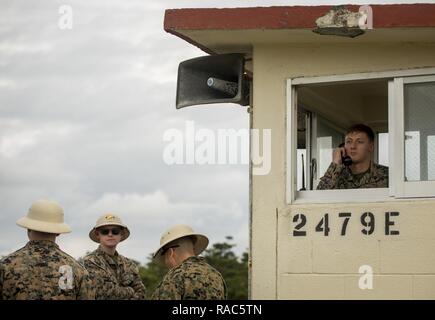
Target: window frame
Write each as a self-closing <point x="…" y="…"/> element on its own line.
<point x="397" y="188"/>
<point x="407" y="189"/>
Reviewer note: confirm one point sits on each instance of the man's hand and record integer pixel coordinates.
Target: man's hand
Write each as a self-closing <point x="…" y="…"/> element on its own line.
<point x="338" y="154"/>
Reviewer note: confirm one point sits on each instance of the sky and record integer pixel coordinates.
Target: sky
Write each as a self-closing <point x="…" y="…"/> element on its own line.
<point x="83" y="112"/>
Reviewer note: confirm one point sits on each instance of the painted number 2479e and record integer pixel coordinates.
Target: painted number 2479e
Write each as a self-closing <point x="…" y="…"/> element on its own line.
<point x="367" y="220"/>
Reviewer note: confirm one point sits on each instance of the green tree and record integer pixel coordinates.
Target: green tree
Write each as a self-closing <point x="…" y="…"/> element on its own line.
<point x="151" y="275"/>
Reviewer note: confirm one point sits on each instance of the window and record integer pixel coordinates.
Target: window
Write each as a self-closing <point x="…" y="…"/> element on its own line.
<point x="324" y="112"/>
<point x="382" y="148"/>
<point x="398" y="106"/>
<point x="415" y="148"/>
<point x="317" y="138"/>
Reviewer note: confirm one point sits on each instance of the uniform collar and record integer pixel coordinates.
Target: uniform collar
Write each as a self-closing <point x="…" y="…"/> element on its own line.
<point x="42" y="243"/>
<point x="193" y="259"/>
<point x="110" y="259"/>
<point x="370" y="169"/>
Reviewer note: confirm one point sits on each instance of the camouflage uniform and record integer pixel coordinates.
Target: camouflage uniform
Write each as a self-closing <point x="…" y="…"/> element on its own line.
<point x="115" y="277"/>
<point x="193" y="279"/>
<point x="338" y="176"/>
<point x="40" y="270"/>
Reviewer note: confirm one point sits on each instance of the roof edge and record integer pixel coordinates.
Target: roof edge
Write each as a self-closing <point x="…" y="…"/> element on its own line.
<point x="292" y="17"/>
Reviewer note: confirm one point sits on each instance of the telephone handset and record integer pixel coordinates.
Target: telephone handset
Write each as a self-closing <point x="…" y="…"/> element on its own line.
<point x="346" y="160"/>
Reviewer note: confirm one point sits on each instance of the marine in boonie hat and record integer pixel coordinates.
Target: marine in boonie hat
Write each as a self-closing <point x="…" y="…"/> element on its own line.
<point x="116" y="277"/>
<point x="189" y="277"/>
<point x="200" y="241"/>
<point x="41" y="270"/>
<point x="109" y="219"/>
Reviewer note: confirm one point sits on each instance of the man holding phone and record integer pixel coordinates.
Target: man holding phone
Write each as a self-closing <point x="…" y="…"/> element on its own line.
<point x="359" y="171"/>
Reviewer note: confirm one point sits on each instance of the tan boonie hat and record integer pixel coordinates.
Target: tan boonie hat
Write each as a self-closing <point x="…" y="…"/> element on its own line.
<point x="45" y="216"/>
<point x="109" y="219"/>
<point x="200" y="241"/>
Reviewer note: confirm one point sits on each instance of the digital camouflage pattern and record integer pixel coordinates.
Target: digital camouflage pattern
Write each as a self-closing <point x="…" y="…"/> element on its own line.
<point x="338" y="176"/>
<point x="115" y="277"/>
<point x="40" y="270"/>
<point x="193" y="279"/>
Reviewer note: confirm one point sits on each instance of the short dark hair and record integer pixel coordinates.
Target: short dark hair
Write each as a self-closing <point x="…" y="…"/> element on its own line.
<point x="362" y="128"/>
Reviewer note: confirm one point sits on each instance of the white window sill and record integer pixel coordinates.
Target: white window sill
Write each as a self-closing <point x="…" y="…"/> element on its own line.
<point x="343" y="195"/>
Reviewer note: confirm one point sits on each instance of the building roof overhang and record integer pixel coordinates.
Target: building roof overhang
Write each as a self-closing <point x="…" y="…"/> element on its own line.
<point x="238" y="29"/>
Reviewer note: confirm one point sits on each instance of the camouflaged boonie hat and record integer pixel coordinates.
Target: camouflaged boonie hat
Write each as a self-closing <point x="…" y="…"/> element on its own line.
<point x="45" y="216"/>
<point x="109" y="219"/>
<point x="200" y="241"/>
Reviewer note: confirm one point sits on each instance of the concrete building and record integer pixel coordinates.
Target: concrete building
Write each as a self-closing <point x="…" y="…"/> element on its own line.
<point x="308" y="87"/>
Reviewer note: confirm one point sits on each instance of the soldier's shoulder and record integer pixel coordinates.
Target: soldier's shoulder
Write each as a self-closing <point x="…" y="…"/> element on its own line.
<point x="179" y="271"/>
<point x="90" y="255"/>
<point x="382" y="169"/>
<point x="91" y="258"/>
<point x="20" y="253"/>
<point x="69" y="259"/>
<point x="125" y="259"/>
<point x="196" y="265"/>
<point x="129" y="262"/>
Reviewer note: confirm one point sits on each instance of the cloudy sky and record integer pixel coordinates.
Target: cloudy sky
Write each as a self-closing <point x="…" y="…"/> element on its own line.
<point x="82" y="116"/>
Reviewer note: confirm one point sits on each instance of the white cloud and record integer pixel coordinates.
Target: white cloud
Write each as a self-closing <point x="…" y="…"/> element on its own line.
<point x="136" y="206"/>
<point x="17" y="136"/>
<point x="7" y="83"/>
<point x="82" y="114"/>
<point x="13" y="144"/>
<point x="27" y="48"/>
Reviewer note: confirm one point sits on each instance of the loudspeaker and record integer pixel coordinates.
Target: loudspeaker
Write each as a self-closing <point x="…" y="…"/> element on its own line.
<point x="212" y="79"/>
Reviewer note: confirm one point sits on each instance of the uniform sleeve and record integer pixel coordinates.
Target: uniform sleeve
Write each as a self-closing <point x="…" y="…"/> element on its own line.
<point x="382" y="177"/>
<point x="87" y="289"/>
<point x="171" y="288"/>
<point x="131" y="278"/>
<point x="106" y="287"/>
<point x="330" y="179"/>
